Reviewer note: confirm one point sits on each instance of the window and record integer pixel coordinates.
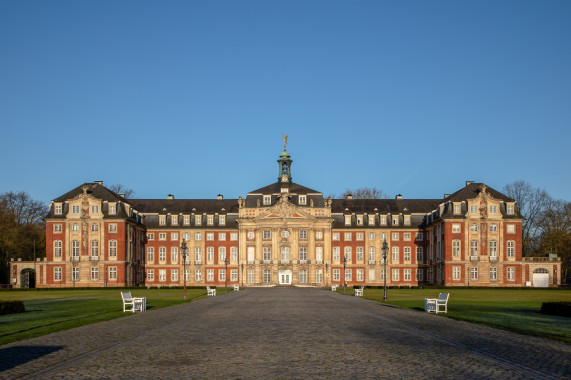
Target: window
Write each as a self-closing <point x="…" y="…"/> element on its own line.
<point x="302" y="199"/>
<point x="251" y="235"/>
<point x="75" y="209"/>
<point x="511" y="248"/>
<point x="474" y="227"/>
<point x="57" y="228"/>
<point x="347" y="220"/>
<point x="57" y="248"/>
<point x="359" y="220"/>
<point x="94" y="228"/>
<point x="336" y="275"/>
<point x="222" y="220"/>
<point x="302" y="276"/>
<point x="474" y="248"/>
<point x="94" y="273"/>
<point x="250" y="276"/>
<point x="267" y="276"/>
<point x="174" y="220"/>
<point x="187" y="275"/>
<point x="233" y="236"/>
<point x="251" y="255"/>
<point x="57" y="274"/>
<point x="210" y="254"/>
<point x="198" y="275"/>
<point x="267" y="199"/>
<point x="348" y="254"/>
<point x="174" y="275"/>
<point x="302" y="234"/>
<point x="359" y="253"/>
<point x="347" y="274"/>
<point x="94" y="248"/>
<point x="319" y="235"/>
<point x="371" y="236"/>
<point x="407" y="220"/>
<point x="210" y="275"/>
<point x="336" y="254"/>
<point x="162" y="236"/>
<point x="493" y="274"/>
<point x="493" y="248"/>
<point x="221" y="254"/>
<point x="371" y="274"/>
<point x="174" y="254"/>
<point x="75" y="274"/>
<point x="58" y="209"/>
<point x="493" y="228"/>
<point x="493" y="209"/>
<point x="186" y="220"/>
<point x="407" y="274"/>
<point x="371" y="255"/>
<point x="474" y="273"/>
<point x="383" y="274"/>
<point x="456" y="209"/>
<point x="303" y="254"/>
<point x="150" y="253"/>
<point x="113" y="273"/>
<point x="360" y="236"/>
<point x="162" y="220"/>
<point x="319" y="254"/>
<point x="198" y="220"/>
<point x="285" y="234"/>
<point x="75" y="228"/>
<point x="222" y="275"/>
<point x="233" y="254"/>
<point x="95" y="209"/>
<point x="395" y="220"/>
<point x="395" y="254"/>
<point x="112" y="209"/>
<point x="267" y="235"/>
<point x="383" y="220"/>
<point x="347" y="236"/>
<point x="407" y="236"/>
<point x="419" y="258"/>
<point x="395" y="274"/>
<point x="162" y="274"/>
<point x="198" y="236"/>
<point x="112" y="248"/>
<point x="510" y="209"/>
<point x="455" y="248"/>
<point x="210" y="220"/>
<point x="511" y="228"/>
<point x="418" y="236"/>
<point x="75" y="248"/>
<point x="113" y="227"/>
<point x="162" y="254"/>
<point x="198" y="255"/>
<point x="186" y="236"/>
<point x="150" y="236"/>
<point x="222" y="236"/>
<point x="395" y="236"/>
<point x="174" y="236"/>
<point x="234" y="275"/>
<point x="455" y="273"/>
<point x="360" y="275"/>
<point x="455" y="227"/>
<point x="210" y="236"/>
<point x="371" y="220"/>
<point x="285" y="254"/>
<point x="336" y="236"/>
<point x="473" y="209"/>
<point x="406" y="253"/>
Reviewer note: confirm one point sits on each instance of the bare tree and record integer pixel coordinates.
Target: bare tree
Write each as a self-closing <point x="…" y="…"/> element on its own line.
<point x="556" y="232"/>
<point x="122" y="189"/>
<point x="365" y="193"/>
<point x="531" y="202"/>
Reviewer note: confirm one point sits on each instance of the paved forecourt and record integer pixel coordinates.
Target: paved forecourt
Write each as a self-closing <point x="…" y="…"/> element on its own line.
<point x="284" y="333"/>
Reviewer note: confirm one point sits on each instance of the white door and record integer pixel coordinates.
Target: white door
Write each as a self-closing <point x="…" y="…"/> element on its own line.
<point x="285" y="277"/>
<point x="540" y="280"/>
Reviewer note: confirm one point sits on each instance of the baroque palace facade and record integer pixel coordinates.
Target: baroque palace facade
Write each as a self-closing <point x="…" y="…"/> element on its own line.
<point x="284" y="234"/>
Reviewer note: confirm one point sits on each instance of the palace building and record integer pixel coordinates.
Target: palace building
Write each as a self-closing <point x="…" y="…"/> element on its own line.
<point x="285" y="234"/>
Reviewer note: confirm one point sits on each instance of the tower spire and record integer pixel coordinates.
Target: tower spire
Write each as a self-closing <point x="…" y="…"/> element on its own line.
<point x="284" y="162"/>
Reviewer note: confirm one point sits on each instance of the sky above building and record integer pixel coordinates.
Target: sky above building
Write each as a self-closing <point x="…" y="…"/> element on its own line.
<point x="192" y="98"/>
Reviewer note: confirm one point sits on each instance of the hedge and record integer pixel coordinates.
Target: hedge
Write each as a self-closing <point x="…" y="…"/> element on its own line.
<point x="11" y="307"/>
<point x="561" y="309"/>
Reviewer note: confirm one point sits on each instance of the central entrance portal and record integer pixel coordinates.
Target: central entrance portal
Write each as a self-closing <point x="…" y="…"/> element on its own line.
<point x="285" y="277"/>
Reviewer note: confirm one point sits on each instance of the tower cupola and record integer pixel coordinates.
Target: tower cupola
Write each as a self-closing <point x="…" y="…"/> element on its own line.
<point x="284" y="167"/>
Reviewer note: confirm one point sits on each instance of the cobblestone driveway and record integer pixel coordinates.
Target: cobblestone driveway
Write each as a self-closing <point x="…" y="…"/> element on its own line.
<point x="284" y="333"/>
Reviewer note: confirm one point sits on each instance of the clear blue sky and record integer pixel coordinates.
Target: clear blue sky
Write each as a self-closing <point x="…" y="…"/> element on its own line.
<point x="192" y="97"/>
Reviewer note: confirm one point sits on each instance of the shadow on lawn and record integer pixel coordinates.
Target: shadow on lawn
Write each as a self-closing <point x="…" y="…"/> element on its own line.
<point x="14" y="356"/>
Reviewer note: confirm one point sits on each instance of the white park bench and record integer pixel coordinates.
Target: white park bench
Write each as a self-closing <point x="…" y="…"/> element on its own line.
<point x="236" y="288"/>
<point x="333" y="288"/>
<point x="133" y="304"/>
<point x="210" y="291"/>
<point x="434" y="305"/>
<point x="359" y="291"/>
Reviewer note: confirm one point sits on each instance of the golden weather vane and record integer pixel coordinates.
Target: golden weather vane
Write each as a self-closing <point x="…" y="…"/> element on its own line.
<point x="285" y="140"/>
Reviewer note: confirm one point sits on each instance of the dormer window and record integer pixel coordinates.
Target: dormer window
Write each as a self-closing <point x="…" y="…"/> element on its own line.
<point x="407" y="220"/>
<point x="359" y="220"/>
<point x="456" y="209"/>
<point x="371" y="220"/>
<point x="112" y="209"/>
<point x="383" y="220"/>
<point x="198" y="220"/>
<point x="302" y="199"/>
<point x="510" y="209"/>
<point x="347" y="220"/>
<point x="267" y="199"/>
<point x="210" y="220"/>
<point x="174" y="220"/>
<point x="186" y="220"/>
<point x="222" y="220"/>
<point x="395" y="220"/>
<point x="58" y="209"/>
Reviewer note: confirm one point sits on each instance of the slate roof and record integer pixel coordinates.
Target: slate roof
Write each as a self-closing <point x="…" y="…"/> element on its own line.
<point x="97" y="190"/>
<point x="473" y="190"/>
<point x="384" y="206"/>
<point x="294" y="188"/>
<point x="185" y="206"/>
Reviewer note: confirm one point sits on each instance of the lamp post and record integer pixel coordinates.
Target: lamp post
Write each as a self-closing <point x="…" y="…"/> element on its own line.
<point x="385" y="250"/>
<point x="344" y="273"/>
<point x="184" y="253"/>
<point x="226" y="275"/>
<point x="242" y="276"/>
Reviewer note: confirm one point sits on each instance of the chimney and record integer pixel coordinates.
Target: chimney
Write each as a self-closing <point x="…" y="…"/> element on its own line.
<point x="99" y="182"/>
<point x="469" y="182"/>
<point x="121" y="195"/>
<point x="220" y="196"/>
<point x="399" y="196"/>
<point x="170" y="196"/>
<point x="349" y="196"/>
<point x="446" y="196"/>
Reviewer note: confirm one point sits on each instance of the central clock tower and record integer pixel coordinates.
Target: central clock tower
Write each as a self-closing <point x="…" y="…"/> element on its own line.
<point x="284" y="163"/>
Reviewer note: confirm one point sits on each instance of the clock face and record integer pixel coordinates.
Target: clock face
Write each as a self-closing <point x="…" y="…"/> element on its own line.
<point x="284" y="178"/>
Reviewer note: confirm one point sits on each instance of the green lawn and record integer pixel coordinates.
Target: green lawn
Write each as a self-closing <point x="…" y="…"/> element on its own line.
<point x="509" y="309"/>
<point x="49" y="311"/>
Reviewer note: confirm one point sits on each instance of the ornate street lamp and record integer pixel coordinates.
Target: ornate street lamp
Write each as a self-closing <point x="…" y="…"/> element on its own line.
<point x="184" y="253"/>
<point x="226" y="275"/>
<point x="385" y="250"/>
<point x="344" y="274"/>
